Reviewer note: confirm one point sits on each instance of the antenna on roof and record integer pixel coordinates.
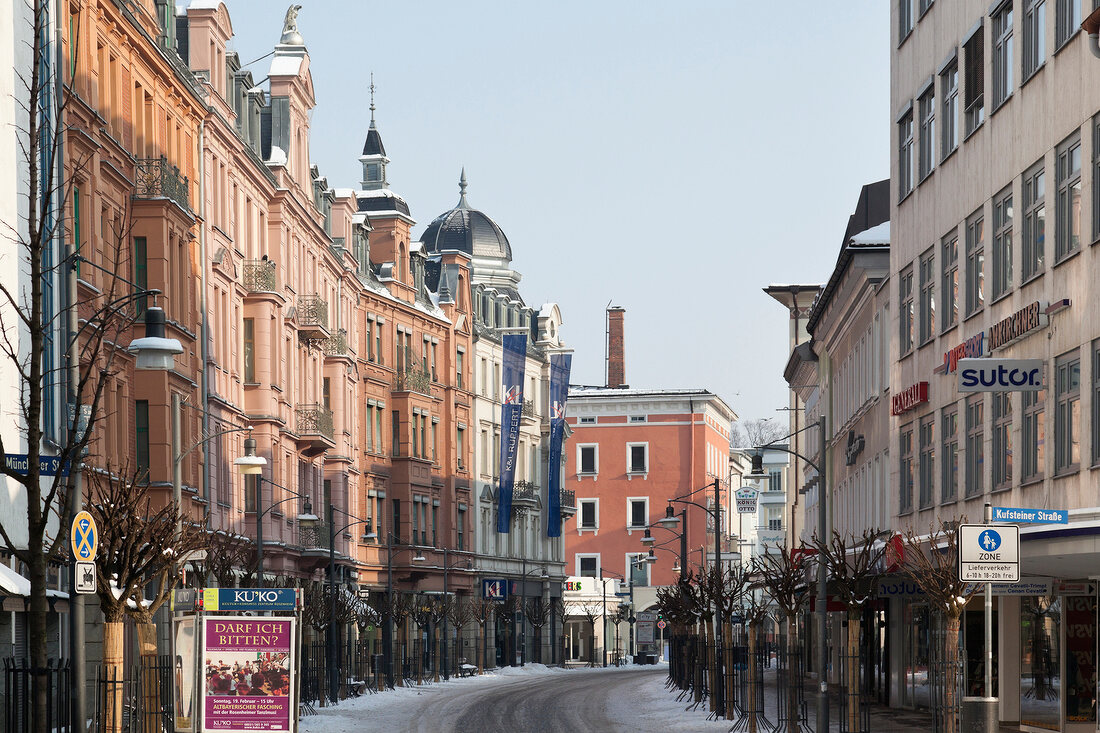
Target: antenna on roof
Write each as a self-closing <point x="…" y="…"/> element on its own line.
<point x="372" y="99"/>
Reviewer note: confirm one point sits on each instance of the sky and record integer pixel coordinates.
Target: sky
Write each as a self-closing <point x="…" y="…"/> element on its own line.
<point x="669" y="158"/>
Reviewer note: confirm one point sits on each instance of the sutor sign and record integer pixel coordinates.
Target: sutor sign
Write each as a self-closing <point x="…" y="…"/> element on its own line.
<point x="1000" y="375"/>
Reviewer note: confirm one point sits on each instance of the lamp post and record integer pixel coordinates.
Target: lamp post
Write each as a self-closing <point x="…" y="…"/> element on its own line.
<point x="387" y="625"/>
<point x="333" y="634"/>
<point x="669" y="522"/>
<point x="820" y="466"/>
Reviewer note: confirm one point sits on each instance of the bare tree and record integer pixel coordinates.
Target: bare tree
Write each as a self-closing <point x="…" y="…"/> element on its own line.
<point x="753" y="606"/>
<point x="538" y="612"/>
<point x="482" y="610"/>
<point x="783" y="577"/>
<point x="460" y="614"/>
<point x="854" y="565"/>
<point x="752" y="433"/>
<point x="230" y="558"/>
<point x="933" y="562"/>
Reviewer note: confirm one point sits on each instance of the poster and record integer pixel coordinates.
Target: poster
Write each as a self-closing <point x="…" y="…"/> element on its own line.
<point x="184" y="674"/>
<point x="247" y="673"/>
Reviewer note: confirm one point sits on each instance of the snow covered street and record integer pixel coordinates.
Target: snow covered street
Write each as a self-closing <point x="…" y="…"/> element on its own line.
<point x="521" y="699"/>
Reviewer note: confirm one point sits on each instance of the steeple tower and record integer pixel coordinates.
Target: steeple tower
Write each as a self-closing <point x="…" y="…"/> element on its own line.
<point x="462" y="202"/>
<point x="374" y="158"/>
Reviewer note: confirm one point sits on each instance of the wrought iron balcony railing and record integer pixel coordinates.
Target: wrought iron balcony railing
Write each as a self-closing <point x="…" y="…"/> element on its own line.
<point x="314" y="536"/>
<point x="314" y="420"/>
<point x="413" y="380"/>
<point x="568" y="499"/>
<point x="529" y="408"/>
<point x="260" y="276"/>
<point x="525" y="491"/>
<point x="337" y="343"/>
<point x="157" y="179"/>
<point x="312" y="311"/>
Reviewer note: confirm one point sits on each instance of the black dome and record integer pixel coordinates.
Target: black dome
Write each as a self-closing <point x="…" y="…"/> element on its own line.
<point x="466" y="230"/>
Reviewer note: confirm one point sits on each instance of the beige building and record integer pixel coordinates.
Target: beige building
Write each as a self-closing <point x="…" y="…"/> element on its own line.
<point x="994" y="174"/>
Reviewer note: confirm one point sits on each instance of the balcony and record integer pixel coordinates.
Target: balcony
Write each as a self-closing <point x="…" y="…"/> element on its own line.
<point x="529" y="413"/>
<point x="336" y="344"/>
<point x="314" y="426"/>
<point x="156" y="179"/>
<point x="312" y="317"/>
<point x="525" y="496"/>
<point x="260" y="276"/>
<point x="413" y="380"/>
<point x="568" y="502"/>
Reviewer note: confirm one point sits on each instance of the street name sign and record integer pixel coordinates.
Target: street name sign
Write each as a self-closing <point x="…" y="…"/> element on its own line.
<point x="85" y="578"/>
<point x="1030" y="516"/>
<point x="47" y="465"/>
<point x="989" y="553"/>
<point x="84" y="537"/>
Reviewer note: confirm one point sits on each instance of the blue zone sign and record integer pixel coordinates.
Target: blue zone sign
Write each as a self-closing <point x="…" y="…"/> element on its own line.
<point x="494" y="589"/>
<point x="989" y="554"/>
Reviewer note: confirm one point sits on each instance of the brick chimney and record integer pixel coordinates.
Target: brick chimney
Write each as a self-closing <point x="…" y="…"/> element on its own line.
<point x="616" y="355"/>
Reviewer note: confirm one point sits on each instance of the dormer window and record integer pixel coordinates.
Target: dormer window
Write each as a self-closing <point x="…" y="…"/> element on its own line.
<point x="374" y="172"/>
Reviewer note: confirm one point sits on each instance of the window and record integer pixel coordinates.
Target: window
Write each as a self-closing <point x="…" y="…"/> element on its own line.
<point x="460" y="446"/>
<point x="1035" y="35"/>
<point x="588" y="421"/>
<point x="435" y="440"/>
<point x="589" y="511"/>
<point x="141" y="271"/>
<point x="249" y="351"/>
<point x="775" y="480"/>
<point x="637" y="457"/>
<point x="927" y="437"/>
<point x="1067" y="227"/>
<point x="396" y="529"/>
<point x="974" y="80"/>
<point x="949" y="261"/>
<point x="926" y="108"/>
<point x="378" y="418"/>
<point x="587" y="565"/>
<point x="1068" y="20"/>
<point x="905" y="498"/>
<point x="370" y="341"/>
<point x="1002" y="243"/>
<point x="1002" y="440"/>
<point x="925" y="5"/>
<point x="637" y="513"/>
<point x="905" y="154"/>
<point x="1035" y="214"/>
<point x="378" y="343"/>
<point x="975" y="262"/>
<point x="905" y="314"/>
<point x="1067" y="412"/>
<point x="637" y="418"/>
<point x="949" y="433"/>
<point x="1096" y="179"/>
<point x="460" y="528"/>
<point x="1034" y="433"/>
<point x="435" y="524"/>
<point x="905" y="19"/>
<point x="975" y="446"/>
<point x="949" y="109"/>
<point x="141" y="435"/>
<point x="588" y="459"/>
<point x="927" y="295"/>
<point x="396" y="426"/>
<point x="1002" y="54"/>
<point x="460" y="357"/>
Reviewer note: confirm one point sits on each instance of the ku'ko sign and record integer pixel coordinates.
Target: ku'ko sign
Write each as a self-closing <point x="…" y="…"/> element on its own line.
<point x="248" y="674"/>
<point x="989" y="553"/>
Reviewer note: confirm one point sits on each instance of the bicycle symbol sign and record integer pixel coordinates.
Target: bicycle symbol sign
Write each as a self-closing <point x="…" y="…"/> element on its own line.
<point x="84" y="536"/>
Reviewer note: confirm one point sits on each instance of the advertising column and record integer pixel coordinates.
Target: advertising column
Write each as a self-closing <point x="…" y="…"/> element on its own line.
<point x="248" y="673"/>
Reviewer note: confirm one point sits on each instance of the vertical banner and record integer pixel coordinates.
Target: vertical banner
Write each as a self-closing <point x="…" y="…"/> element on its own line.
<point x="248" y="679"/>
<point x="511" y="412"/>
<point x="560" y="366"/>
<point x="184" y="674"/>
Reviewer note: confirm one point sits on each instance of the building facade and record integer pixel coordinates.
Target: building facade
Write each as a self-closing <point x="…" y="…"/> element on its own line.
<point x="994" y="179"/>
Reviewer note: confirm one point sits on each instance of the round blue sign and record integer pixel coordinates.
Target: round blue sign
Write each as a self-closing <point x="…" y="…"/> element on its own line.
<point x="989" y="540"/>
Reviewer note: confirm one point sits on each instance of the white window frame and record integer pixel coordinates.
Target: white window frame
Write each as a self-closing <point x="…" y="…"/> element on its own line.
<point x="581" y="528"/>
<point x="577" y="563"/>
<point x="630" y="472"/>
<point x="594" y="474"/>
<point x="629" y="513"/>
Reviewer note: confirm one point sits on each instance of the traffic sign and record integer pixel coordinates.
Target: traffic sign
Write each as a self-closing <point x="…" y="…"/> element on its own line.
<point x="661" y="624"/>
<point x="85" y="578"/>
<point x="47" y="465"/>
<point x="1030" y="516"/>
<point x="84" y="537"/>
<point x="989" y="553"/>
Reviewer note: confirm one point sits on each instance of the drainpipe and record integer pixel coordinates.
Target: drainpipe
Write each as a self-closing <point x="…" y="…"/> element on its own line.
<point x="1091" y="26"/>
<point x="204" y="323"/>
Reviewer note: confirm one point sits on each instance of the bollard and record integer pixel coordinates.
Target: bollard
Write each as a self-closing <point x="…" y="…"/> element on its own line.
<point x="979" y="715"/>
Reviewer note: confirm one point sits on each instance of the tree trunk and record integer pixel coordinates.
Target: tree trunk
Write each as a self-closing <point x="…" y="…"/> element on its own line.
<point x="727" y="668"/>
<point x="751" y="702"/>
<point x="479" y="650"/>
<point x="36" y="626"/>
<point x="399" y="661"/>
<point x="708" y="660"/>
<point x="438" y="654"/>
<point x="147" y="647"/>
<point x="111" y="722"/>
<point x="951" y="657"/>
<point x="793" y="685"/>
<point x="853" y="669"/>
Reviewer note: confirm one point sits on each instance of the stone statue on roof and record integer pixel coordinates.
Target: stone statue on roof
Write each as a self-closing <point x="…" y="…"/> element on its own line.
<point x="290" y="22"/>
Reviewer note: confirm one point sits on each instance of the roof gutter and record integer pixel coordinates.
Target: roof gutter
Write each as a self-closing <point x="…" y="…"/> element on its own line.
<point x="1091" y="26"/>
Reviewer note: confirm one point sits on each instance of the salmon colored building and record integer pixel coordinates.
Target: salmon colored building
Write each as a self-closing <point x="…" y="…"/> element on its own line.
<point x="630" y="452"/>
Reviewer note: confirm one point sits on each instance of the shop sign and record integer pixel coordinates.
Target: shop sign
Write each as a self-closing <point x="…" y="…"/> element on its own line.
<point x="573" y="585"/>
<point x="746" y="497"/>
<point x="1000" y="375"/>
<point x="1030" y="516"/>
<point x="972" y="348"/>
<point x="909" y="398"/>
<point x="250" y="599"/>
<point x="989" y="553"/>
<point x="772" y="539"/>
<point x="854" y="448"/>
<point x="1075" y="589"/>
<point x="249" y="674"/>
<point x="1018" y="325"/>
<point x="494" y="589"/>
<point x="898" y="588"/>
<point x="1023" y="588"/>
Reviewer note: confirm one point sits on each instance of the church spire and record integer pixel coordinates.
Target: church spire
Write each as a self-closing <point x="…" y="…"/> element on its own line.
<point x="372" y="100"/>
<point x="374" y="158"/>
<point x="462" y="203"/>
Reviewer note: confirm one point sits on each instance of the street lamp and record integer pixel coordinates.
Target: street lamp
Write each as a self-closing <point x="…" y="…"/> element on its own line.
<point x="522" y="636"/>
<point x="635" y="562"/>
<point x="757" y="473"/>
<point x="387" y="621"/>
<point x="670" y="521"/>
<point x="333" y="645"/>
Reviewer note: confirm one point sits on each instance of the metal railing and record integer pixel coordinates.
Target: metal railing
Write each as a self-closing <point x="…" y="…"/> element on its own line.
<point x="413" y="380"/>
<point x="568" y="498"/>
<point x="20" y="688"/>
<point x="529" y="408"/>
<point x="313" y="536"/>
<point x="525" y="491"/>
<point x="314" y="420"/>
<point x="336" y="344"/>
<point x="155" y="178"/>
<point x="312" y="311"/>
<point x="260" y="276"/>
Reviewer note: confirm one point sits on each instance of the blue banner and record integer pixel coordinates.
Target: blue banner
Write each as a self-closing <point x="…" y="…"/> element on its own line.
<point x="511" y="413"/>
<point x="560" y="366"/>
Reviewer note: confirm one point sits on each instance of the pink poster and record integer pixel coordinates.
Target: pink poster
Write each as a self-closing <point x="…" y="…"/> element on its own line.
<point x="248" y="673"/>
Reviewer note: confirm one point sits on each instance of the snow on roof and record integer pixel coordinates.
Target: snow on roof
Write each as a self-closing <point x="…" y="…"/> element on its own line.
<point x="876" y="235"/>
<point x="13" y="583"/>
<point x="377" y="193"/>
<point x="278" y="156"/>
<point x="343" y="192"/>
<point x="285" y="65"/>
<point x="182" y="8"/>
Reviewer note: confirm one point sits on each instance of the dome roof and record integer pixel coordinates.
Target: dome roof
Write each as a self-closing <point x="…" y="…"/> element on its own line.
<point x="466" y="230"/>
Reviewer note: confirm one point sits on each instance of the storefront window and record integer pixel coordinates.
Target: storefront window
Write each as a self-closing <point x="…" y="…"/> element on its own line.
<point x="972" y="630"/>
<point x="918" y="629"/>
<point x="1039" y="655"/>
<point x="1080" y="620"/>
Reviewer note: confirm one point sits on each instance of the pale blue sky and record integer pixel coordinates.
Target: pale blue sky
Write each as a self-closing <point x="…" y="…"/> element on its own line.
<point x="672" y="157"/>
